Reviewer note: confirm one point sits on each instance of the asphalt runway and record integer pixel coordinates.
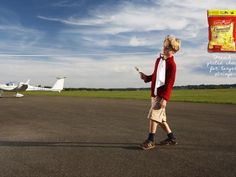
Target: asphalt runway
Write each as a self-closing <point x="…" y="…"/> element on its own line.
<point x="79" y="137"/>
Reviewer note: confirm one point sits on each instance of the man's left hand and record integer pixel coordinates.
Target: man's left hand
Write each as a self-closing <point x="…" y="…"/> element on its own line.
<point x="163" y="103"/>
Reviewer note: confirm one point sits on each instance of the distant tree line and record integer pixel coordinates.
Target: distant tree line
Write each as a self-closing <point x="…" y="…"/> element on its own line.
<point x="202" y="86"/>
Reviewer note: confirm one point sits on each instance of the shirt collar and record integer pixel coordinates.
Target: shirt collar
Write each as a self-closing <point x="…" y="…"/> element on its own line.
<point x="163" y="58"/>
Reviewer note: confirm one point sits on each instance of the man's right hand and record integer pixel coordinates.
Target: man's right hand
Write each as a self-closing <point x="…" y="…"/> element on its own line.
<point x="143" y="76"/>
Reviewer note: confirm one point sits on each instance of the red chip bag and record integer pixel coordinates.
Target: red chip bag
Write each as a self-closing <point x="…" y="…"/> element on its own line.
<point x="222" y="30"/>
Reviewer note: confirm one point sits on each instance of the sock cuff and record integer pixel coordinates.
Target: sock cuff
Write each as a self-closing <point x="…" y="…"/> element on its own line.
<point x="151" y="136"/>
<point x="171" y="135"/>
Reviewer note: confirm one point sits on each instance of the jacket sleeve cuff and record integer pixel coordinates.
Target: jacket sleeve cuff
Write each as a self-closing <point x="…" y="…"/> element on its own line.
<point x="149" y="78"/>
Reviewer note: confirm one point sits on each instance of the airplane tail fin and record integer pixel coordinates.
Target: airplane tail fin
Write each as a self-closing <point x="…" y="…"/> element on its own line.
<point x="59" y="85"/>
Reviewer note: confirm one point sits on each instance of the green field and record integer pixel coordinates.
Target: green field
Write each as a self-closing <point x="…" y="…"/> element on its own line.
<point x="226" y="96"/>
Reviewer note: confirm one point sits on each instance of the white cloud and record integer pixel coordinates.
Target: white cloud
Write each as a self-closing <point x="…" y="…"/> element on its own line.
<point x="127" y="18"/>
<point x="165" y="16"/>
<point x="66" y="3"/>
<point x="134" y="41"/>
<point x="200" y="4"/>
<point x="112" y="71"/>
<point x="15" y="36"/>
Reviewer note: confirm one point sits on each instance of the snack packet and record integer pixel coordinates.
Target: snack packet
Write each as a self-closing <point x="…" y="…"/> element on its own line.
<point x="222" y="30"/>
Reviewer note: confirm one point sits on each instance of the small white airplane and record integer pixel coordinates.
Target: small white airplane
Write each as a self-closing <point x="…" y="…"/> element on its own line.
<point x="24" y="86"/>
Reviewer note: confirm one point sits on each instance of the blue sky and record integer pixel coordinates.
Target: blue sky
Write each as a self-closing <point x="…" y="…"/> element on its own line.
<point x="98" y="43"/>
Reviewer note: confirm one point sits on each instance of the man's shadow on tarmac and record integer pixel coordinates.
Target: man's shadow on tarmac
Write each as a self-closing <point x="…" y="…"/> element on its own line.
<point x="129" y="146"/>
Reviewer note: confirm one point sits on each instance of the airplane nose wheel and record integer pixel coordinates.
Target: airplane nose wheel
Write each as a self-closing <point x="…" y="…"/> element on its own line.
<point x="18" y="95"/>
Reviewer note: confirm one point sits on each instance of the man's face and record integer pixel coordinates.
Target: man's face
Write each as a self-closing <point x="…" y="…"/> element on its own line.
<point x="167" y="49"/>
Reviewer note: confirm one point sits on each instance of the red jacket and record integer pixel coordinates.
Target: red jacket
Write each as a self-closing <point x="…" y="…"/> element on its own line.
<point x="165" y="90"/>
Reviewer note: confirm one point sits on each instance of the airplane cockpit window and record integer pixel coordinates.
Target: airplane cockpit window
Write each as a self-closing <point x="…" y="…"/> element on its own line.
<point x="10" y="84"/>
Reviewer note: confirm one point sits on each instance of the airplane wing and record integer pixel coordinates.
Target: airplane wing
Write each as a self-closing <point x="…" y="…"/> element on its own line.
<point x="21" y="88"/>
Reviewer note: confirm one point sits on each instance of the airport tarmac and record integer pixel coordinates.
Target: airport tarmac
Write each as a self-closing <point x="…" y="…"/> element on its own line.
<point x="88" y="137"/>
